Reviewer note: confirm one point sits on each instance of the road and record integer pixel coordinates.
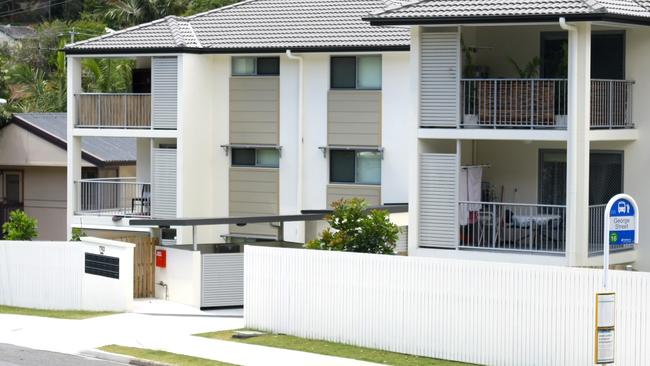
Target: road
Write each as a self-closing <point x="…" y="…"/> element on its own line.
<point x="18" y="356"/>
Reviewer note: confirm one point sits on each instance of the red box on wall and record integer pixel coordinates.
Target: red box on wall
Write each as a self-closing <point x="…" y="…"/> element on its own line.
<point x="161" y="258"/>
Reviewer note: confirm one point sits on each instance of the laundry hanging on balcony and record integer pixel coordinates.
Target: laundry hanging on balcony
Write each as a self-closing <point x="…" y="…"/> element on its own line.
<point x="470" y="191"/>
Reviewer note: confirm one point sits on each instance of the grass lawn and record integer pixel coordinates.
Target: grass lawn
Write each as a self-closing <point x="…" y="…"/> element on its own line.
<point x="333" y="349"/>
<point x="60" y="314"/>
<point x="162" y="356"/>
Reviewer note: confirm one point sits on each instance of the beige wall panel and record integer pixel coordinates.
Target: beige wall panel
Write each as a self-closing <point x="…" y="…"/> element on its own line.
<point x="354" y="117"/>
<point x="254" y="110"/>
<point x="254" y="192"/>
<point x="371" y="193"/>
<point x="44" y="198"/>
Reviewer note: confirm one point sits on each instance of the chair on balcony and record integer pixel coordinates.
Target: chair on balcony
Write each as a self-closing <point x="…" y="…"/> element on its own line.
<point x="143" y="202"/>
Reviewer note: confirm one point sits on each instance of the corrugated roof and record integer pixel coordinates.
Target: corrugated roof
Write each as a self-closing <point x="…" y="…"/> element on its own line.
<point x="441" y="9"/>
<point x="260" y="25"/>
<point x="105" y="149"/>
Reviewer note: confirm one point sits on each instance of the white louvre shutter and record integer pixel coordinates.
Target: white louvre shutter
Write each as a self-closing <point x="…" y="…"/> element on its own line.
<point x="222" y="280"/>
<point x="163" y="188"/>
<point x="164" y="92"/>
<point x="439" y="79"/>
<point x="438" y="200"/>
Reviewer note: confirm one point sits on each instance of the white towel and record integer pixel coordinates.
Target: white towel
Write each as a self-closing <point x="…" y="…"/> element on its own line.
<point x="469" y="190"/>
<point x="474" y="177"/>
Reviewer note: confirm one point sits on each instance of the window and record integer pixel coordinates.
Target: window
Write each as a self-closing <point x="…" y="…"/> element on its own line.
<point x="252" y="66"/>
<point x="355" y="167"/>
<point x="605" y="176"/>
<point x="607" y="55"/>
<point x="260" y="157"/>
<point x="355" y="72"/>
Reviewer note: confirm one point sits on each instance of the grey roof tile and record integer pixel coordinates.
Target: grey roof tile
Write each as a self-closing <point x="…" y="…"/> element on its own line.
<point x="106" y="149"/>
<point x="480" y="8"/>
<point x="259" y="25"/>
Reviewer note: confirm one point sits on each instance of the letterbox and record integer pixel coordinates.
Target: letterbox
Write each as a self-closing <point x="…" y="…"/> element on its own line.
<point x="161" y="258"/>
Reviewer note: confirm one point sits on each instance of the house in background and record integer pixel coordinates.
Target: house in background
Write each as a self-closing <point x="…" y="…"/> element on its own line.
<point x="546" y="103"/>
<point x="247" y="110"/>
<point x="10" y="35"/>
<point x="33" y="165"/>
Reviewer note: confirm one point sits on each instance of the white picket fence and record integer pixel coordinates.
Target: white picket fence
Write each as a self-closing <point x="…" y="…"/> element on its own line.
<point x="477" y="312"/>
<point x="51" y="275"/>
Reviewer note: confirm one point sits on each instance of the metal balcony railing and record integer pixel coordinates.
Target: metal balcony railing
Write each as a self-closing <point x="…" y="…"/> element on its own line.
<point x="513" y="227"/>
<point x="113" y="197"/>
<point x="541" y="103"/>
<point x="596" y="232"/>
<point x="103" y="110"/>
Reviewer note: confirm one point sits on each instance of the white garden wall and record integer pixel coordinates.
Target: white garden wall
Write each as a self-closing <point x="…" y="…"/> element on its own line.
<point x="478" y="312"/>
<point x="50" y="275"/>
<point x="182" y="275"/>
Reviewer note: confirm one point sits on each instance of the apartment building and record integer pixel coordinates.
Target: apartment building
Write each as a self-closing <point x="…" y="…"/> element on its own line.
<point x="543" y="103"/>
<point x="264" y="107"/>
<point x="505" y="126"/>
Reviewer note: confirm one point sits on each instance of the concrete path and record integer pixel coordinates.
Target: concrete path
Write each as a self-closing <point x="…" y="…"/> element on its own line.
<point x="154" y="330"/>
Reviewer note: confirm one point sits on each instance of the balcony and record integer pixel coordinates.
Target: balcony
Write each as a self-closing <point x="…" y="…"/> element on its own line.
<point x="122" y="111"/>
<point x="513" y="227"/>
<point x="541" y="103"/>
<point x="113" y="197"/>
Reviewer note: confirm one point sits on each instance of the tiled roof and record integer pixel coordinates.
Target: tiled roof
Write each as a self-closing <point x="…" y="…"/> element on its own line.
<point x="260" y="25"/>
<point x="104" y="149"/>
<point x="446" y="9"/>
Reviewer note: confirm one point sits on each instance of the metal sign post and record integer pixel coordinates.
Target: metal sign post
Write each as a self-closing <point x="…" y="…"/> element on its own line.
<point x="621" y="228"/>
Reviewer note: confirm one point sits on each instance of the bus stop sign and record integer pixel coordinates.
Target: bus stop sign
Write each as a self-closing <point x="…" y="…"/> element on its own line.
<point x="622" y="223"/>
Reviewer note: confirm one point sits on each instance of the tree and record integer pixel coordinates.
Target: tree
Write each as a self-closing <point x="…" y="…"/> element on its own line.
<point x="20" y="226"/>
<point x="200" y="6"/>
<point x="357" y="229"/>
<point x="126" y="13"/>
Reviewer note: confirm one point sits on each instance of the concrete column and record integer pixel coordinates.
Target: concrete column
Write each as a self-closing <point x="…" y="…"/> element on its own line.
<point x="577" y="200"/>
<point x="143" y="162"/>
<point x="74" y="142"/>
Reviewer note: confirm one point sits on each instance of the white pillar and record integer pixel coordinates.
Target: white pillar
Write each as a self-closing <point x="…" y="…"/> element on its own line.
<point x="74" y="142"/>
<point x="577" y="199"/>
<point x="413" y="146"/>
<point x="143" y="162"/>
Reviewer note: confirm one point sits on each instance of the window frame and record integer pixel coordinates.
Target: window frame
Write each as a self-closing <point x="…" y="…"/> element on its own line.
<point x="542" y="152"/>
<point x="356" y="166"/>
<point x="356" y="72"/>
<point x="255" y="65"/>
<point x="255" y="157"/>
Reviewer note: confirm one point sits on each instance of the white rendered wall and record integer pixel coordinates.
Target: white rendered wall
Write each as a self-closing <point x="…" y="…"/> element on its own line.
<point x="315" y="169"/>
<point x="197" y="145"/>
<point x="50" y="275"/>
<point x="637" y="154"/>
<point x="182" y="276"/>
<point x="289" y="160"/>
<point x="394" y="130"/>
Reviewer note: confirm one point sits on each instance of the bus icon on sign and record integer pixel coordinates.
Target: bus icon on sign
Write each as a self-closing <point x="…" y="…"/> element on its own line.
<point x="623" y="207"/>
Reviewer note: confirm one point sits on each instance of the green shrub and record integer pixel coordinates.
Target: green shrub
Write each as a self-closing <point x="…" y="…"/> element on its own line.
<point x="76" y="234"/>
<point x="20" y="226"/>
<point x="357" y="229"/>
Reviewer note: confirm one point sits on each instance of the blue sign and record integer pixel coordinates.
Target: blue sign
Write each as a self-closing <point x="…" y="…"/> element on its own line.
<point x="622" y="222"/>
